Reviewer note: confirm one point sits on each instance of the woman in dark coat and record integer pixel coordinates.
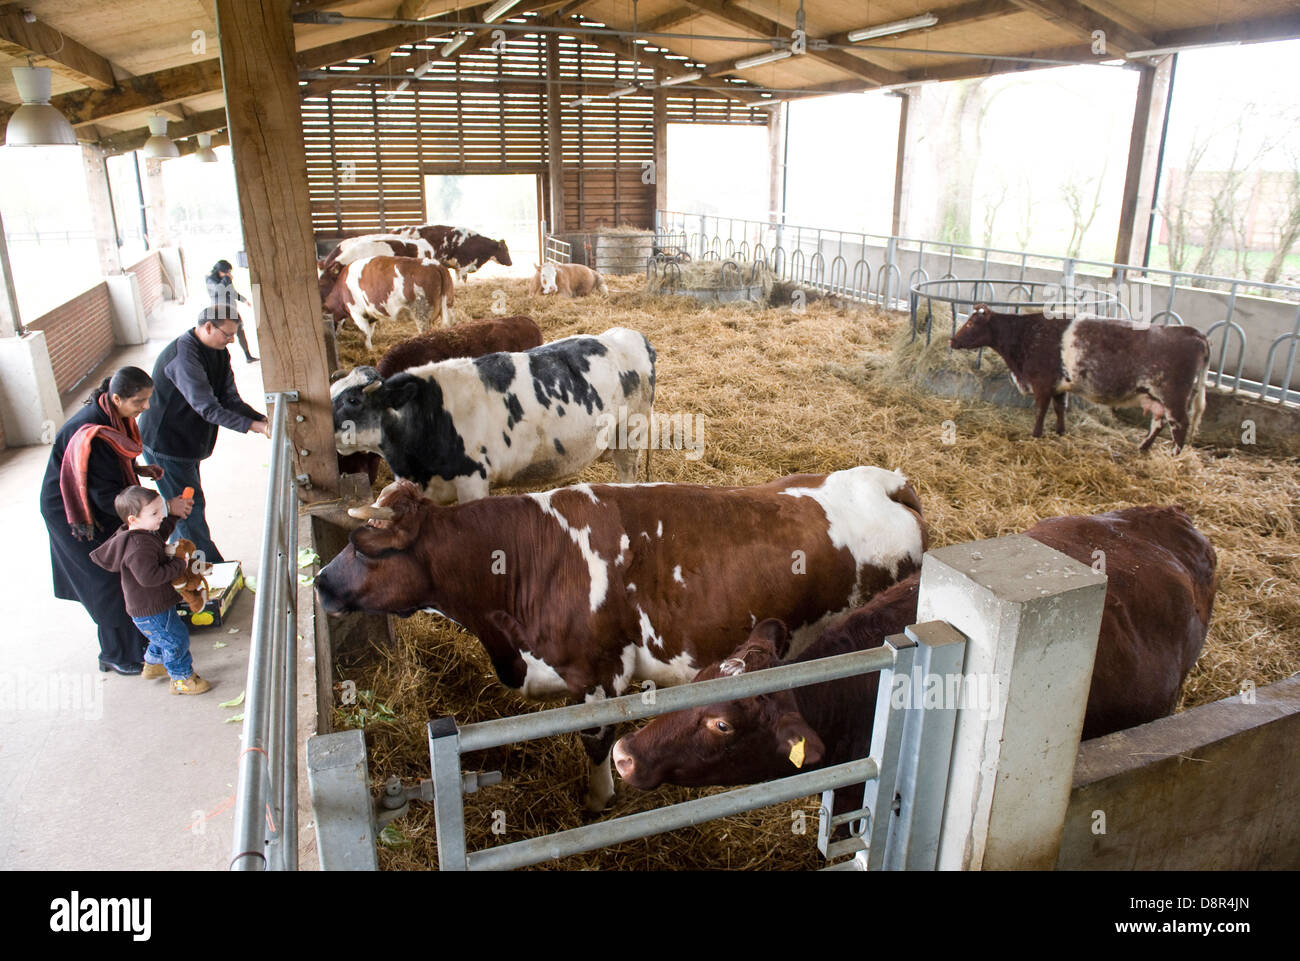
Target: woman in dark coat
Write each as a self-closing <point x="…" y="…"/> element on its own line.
<point x="221" y="290"/>
<point x="93" y="460"/>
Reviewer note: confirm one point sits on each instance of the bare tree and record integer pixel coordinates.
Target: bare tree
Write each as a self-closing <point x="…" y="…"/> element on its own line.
<point x="1083" y="210"/>
<point x="1026" y="228"/>
<point x="1225" y="200"/>
<point x="1289" y="229"/>
<point x="1176" y="204"/>
<point x="991" y="207"/>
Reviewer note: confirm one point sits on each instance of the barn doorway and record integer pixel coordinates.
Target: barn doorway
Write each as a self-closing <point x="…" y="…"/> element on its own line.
<point x="502" y="206"/>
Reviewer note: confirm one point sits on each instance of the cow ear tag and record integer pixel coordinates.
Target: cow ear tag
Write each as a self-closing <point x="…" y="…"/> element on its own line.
<point x="796" y="752"/>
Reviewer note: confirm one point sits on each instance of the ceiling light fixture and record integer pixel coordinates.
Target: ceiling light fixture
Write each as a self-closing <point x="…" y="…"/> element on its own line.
<point x="204" y="154"/>
<point x="621" y="92"/>
<point x="498" y="8"/>
<point x="35" y="123"/>
<point x="158" y="147"/>
<point x="897" y="26"/>
<point x="1161" y="51"/>
<point x="684" y="78"/>
<point x="761" y="59"/>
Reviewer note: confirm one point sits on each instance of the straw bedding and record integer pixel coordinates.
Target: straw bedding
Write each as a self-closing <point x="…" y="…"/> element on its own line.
<point x="822" y="390"/>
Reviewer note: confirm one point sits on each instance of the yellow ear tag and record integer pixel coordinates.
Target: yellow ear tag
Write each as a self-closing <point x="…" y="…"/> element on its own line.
<point x="796" y="752"/>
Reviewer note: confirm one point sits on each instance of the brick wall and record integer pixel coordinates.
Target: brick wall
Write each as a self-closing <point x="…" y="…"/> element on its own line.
<point x="149" y="272"/>
<point x="79" y="335"/>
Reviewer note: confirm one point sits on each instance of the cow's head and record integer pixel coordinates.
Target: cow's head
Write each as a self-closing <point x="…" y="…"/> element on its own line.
<point x="546" y="276"/>
<point x="502" y="254"/>
<point x="737" y="742"/>
<point x="977" y="331"/>
<point x="328" y="277"/>
<point x="360" y="399"/>
<point x="383" y="569"/>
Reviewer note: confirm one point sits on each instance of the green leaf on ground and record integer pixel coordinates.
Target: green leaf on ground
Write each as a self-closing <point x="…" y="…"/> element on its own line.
<point x="234" y="717"/>
<point x="234" y="703"/>
<point x="218" y="645"/>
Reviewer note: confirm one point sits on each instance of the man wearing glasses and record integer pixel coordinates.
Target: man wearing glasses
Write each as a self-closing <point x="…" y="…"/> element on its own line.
<point x="194" y="394"/>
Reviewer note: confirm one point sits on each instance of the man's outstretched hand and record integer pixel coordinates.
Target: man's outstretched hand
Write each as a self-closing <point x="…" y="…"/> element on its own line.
<point x="261" y="427"/>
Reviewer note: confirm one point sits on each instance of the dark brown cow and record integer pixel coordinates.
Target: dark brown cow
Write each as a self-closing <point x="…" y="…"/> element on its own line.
<point x="1110" y="362"/>
<point x="1159" y="594"/>
<point x="460" y="248"/>
<point x="376" y="288"/>
<point x="584" y="589"/>
<point x="470" y="339"/>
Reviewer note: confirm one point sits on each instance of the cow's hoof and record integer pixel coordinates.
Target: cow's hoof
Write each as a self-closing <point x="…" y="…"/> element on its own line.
<point x="596" y="803"/>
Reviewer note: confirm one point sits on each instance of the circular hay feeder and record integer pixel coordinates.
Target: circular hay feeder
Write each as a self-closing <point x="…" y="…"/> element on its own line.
<point x="620" y="250"/>
<point x="955" y="297"/>
<point x="712" y="281"/>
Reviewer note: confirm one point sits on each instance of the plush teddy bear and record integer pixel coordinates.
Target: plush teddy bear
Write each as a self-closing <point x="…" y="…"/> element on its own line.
<point x="192" y="587"/>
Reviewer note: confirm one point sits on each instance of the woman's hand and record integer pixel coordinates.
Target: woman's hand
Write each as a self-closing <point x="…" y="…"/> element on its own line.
<point x="260" y="427"/>
<point x="180" y="507"/>
<point x="152" y="471"/>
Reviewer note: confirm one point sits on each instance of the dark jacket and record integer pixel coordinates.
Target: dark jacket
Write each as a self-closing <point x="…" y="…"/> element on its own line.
<point x="194" y="394"/>
<point x="222" y="291"/>
<point x="147" y="572"/>
<point x="75" y="577"/>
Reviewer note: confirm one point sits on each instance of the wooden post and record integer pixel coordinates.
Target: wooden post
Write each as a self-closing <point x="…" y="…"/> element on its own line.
<point x="101" y="210"/>
<point x="1144" y="148"/>
<point x="776" y="163"/>
<point x="901" y="173"/>
<point x="156" y="209"/>
<point x="661" y="146"/>
<point x="261" y="82"/>
<point x="10" y="317"/>
<point x="554" y="143"/>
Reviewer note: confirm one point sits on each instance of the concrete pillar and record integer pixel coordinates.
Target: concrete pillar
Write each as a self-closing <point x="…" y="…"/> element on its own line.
<point x="101" y="210"/>
<point x="156" y="204"/>
<point x="130" y="326"/>
<point x="340" y="800"/>
<point x="173" y="267"/>
<point x="29" y="397"/>
<point x="1032" y="616"/>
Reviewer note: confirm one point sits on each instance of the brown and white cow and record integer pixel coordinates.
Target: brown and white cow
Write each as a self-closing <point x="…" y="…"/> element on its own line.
<point x="584" y="589"/>
<point x="378" y="288"/>
<point x="1159" y="594"/>
<point x="473" y="338"/>
<point x="567" y="280"/>
<point x="1110" y="362"/>
<point x="459" y="247"/>
<point x="369" y="245"/>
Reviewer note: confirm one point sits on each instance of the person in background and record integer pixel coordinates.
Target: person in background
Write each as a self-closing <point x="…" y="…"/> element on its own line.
<point x="195" y="395"/>
<point x="221" y="290"/>
<point x="92" y="461"/>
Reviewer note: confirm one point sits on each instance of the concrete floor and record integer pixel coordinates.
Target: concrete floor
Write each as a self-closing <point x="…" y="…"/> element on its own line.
<point x="115" y="772"/>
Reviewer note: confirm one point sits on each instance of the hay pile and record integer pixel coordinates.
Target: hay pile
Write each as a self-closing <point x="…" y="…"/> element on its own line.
<point x="823" y="390"/>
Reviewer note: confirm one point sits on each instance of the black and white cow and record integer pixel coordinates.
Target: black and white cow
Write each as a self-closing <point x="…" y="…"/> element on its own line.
<point x="459" y="427"/>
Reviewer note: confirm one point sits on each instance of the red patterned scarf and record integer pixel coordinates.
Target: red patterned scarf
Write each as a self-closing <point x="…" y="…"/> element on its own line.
<point x="123" y="436"/>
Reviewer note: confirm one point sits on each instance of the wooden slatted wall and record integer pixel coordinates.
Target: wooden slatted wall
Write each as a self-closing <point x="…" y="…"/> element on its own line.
<point x="368" y="147"/>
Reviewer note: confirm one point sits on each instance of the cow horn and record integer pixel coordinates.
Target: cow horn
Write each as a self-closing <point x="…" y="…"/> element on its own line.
<point x="371" y="387"/>
<point x="372" y="513"/>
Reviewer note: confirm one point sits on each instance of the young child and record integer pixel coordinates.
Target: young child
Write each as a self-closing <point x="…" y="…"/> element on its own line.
<point x="139" y="551"/>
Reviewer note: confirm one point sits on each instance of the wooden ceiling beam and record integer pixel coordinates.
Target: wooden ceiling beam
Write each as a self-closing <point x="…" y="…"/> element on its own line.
<point x="50" y="48"/>
<point x="133" y="94"/>
<point x="389" y="38"/>
<point x="1073" y="17"/>
<point x="127" y="140"/>
<point x="630" y="51"/>
<point x="762" y="27"/>
<point x="1282" y="27"/>
<point x="962" y="15"/>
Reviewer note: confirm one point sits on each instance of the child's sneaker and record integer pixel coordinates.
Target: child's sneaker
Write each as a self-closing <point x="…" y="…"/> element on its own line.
<point x="191" y="685"/>
<point x="153" y="670"/>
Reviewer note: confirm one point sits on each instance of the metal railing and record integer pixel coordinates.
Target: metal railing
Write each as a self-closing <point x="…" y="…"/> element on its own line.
<point x="909" y="746"/>
<point x="555" y="250"/>
<point x="266" y="792"/>
<point x="882" y="269"/>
